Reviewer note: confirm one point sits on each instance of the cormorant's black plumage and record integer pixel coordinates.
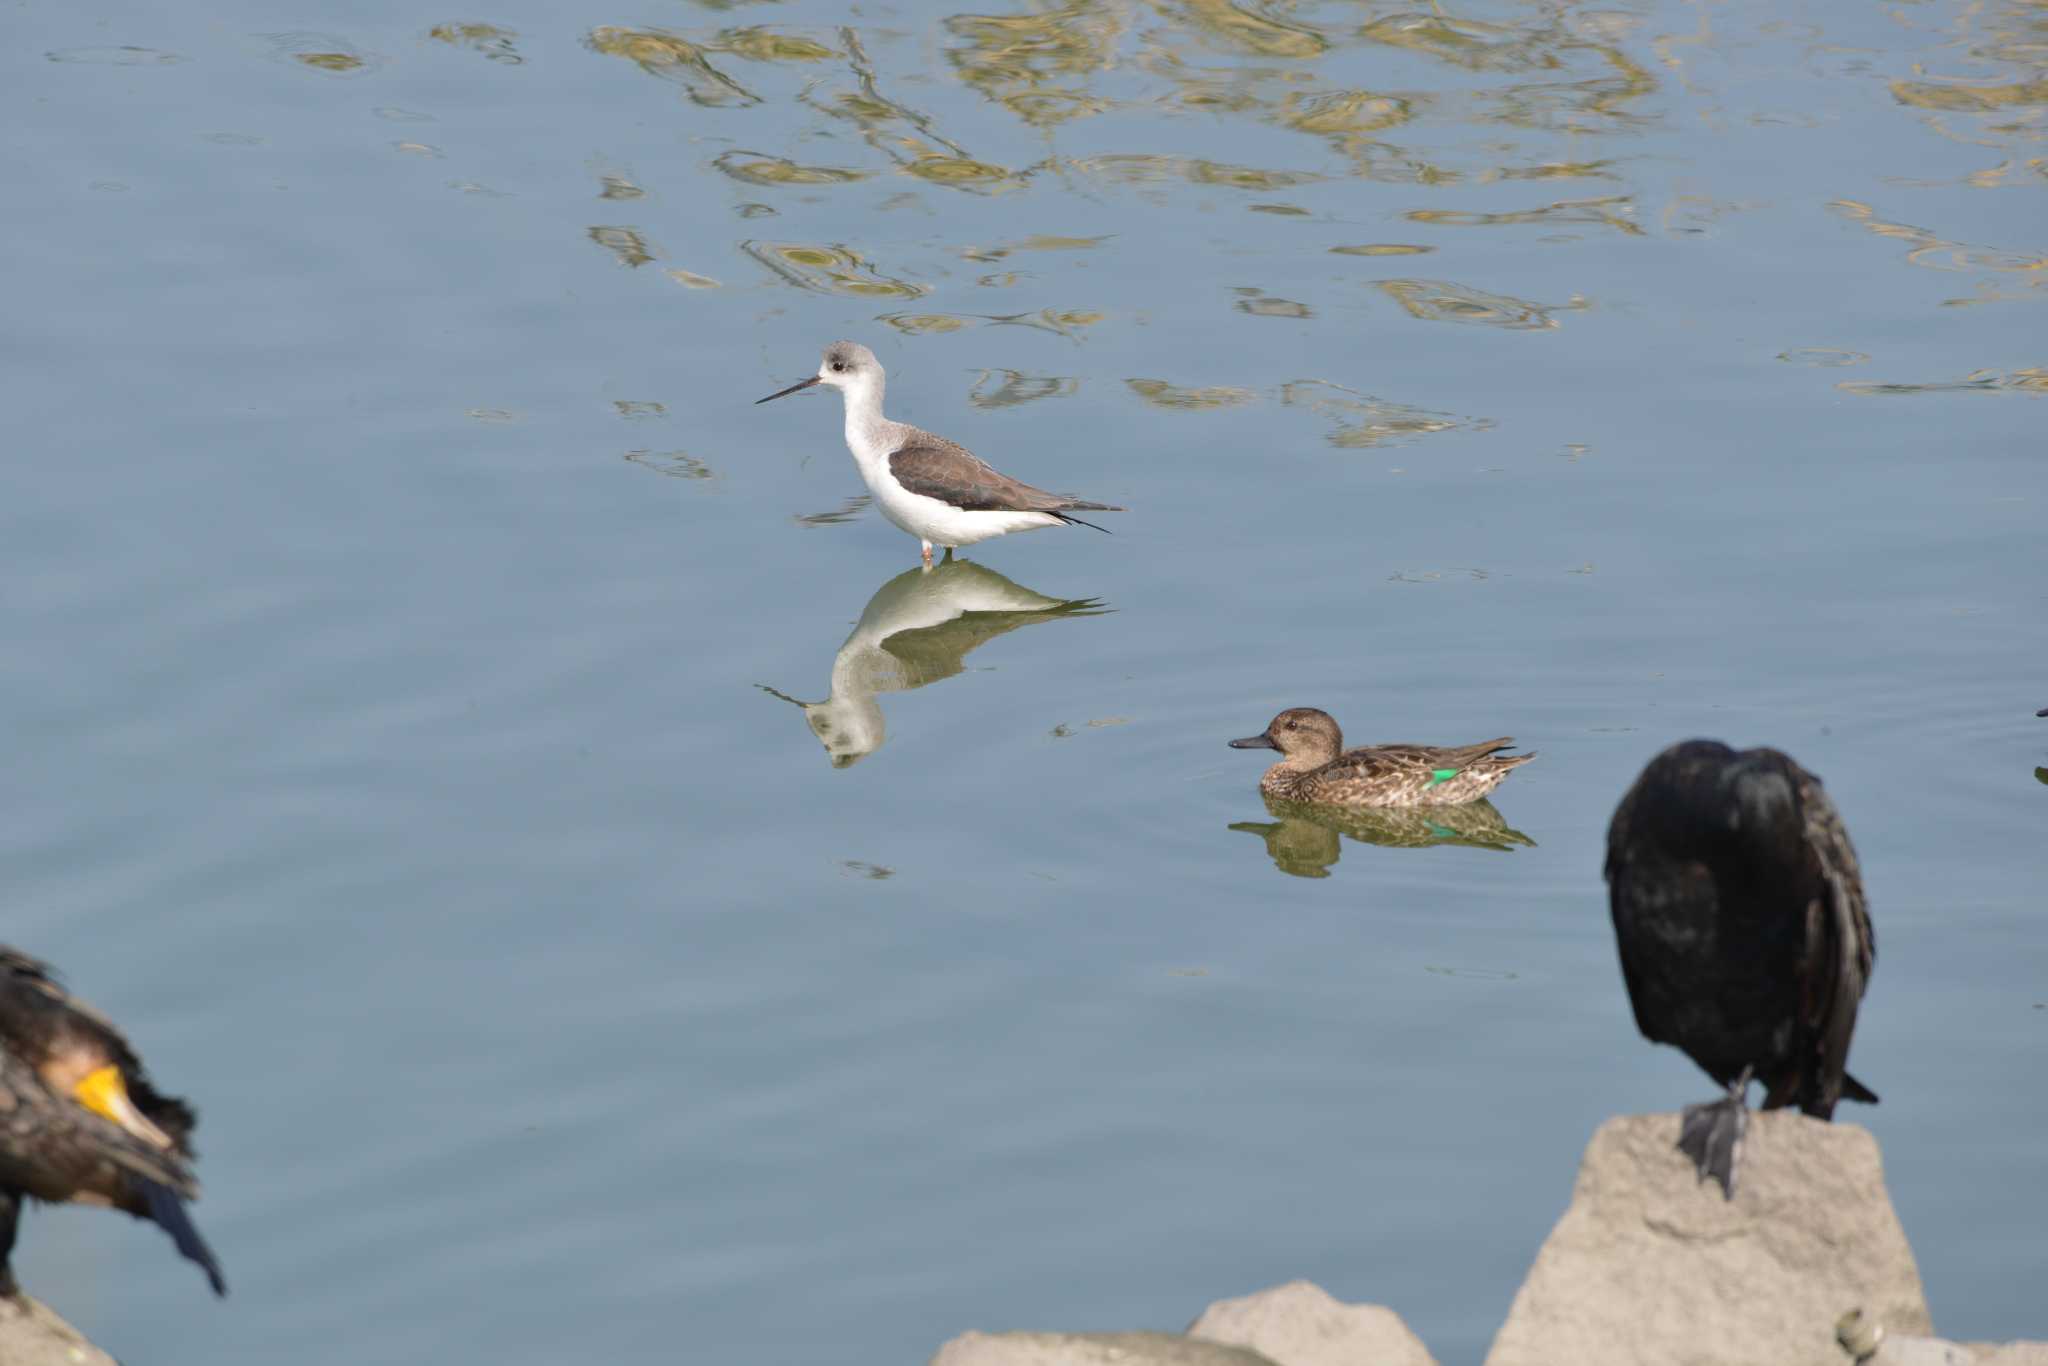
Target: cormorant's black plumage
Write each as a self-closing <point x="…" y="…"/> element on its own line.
<point x="1739" y="913"/>
<point x="54" y="1148"/>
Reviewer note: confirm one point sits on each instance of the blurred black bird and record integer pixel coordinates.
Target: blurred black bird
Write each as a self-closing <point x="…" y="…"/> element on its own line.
<point x="80" y="1120"/>
<point x="1739" y="913"/>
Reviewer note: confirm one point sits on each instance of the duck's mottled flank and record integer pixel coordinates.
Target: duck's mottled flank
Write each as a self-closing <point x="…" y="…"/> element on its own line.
<point x="1316" y="767"/>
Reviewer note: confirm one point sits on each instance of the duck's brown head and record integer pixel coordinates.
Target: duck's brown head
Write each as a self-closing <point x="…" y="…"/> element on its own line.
<point x="1306" y="737"/>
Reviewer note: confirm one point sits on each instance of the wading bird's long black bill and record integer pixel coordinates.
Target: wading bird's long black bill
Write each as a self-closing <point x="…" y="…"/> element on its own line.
<point x="785" y="393"/>
<point x="1254" y="742"/>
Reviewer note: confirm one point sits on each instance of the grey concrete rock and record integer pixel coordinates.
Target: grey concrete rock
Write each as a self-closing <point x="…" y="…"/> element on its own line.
<point x="1302" y="1324"/>
<point x="2025" y="1353"/>
<point x="1650" y="1266"/>
<point x="1090" y="1349"/>
<point x="1894" y="1349"/>
<point x="31" y="1334"/>
<point x="1917" y="1351"/>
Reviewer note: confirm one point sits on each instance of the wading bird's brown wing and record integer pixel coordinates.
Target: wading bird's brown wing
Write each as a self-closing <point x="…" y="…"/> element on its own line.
<point x="938" y="468"/>
<point x="952" y="474"/>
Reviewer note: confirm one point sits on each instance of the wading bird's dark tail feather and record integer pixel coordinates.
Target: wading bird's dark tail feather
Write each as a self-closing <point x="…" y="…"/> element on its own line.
<point x="168" y="1211"/>
<point x="1853" y="1089"/>
<point x="1071" y="520"/>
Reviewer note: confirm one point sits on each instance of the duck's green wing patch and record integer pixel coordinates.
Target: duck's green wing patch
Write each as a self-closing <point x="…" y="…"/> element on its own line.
<point x="1441" y="775"/>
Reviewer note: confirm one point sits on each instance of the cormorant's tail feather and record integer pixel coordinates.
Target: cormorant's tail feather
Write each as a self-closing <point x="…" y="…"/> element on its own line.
<point x="1711" y="1135"/>
<point x="168" y="1212"/>
<point x="1072" y="520"/>
<point x="1853" y="1089"/>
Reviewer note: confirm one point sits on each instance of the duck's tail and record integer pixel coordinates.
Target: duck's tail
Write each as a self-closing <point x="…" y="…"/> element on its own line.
<point x="1486" y="755"/>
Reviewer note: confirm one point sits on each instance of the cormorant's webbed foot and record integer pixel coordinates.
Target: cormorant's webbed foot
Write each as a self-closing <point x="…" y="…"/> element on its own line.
<point x="1711" y="1134"/>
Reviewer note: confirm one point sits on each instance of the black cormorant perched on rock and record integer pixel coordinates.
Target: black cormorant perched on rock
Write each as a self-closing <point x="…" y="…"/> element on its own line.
<point x="1739" y="913"/>
<point x="80" y="1121"/>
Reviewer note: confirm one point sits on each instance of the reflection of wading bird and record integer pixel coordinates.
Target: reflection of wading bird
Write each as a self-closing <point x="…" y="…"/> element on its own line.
<point x="1315" y="767"/>
<point x="79" y="1120"/>
<point x="935" y="490"/>
<point x="1738" y="910"/>
<point x="918" y="629"/>
<point x="1302" y="836"/>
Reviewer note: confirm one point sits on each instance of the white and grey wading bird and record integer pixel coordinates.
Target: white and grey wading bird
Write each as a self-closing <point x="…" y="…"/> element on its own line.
<point x="932" y="488"/>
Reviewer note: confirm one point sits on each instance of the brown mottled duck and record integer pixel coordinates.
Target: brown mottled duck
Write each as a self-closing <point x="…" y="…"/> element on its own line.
<point x="1315" y="767"/>
<point x="80" y="1120"/>
<point x="1738" y="909"/>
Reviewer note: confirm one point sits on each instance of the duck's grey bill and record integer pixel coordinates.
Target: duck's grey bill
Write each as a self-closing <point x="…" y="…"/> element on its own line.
<point x="1254" y="742"/>
<point x="785" y="393"/>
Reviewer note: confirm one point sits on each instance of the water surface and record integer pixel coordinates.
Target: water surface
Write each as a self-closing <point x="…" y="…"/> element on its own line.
<point x="400" y="587"/>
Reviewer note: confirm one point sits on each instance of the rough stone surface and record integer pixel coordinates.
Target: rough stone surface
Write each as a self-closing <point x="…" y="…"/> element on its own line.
<point x="1648" y="1265"/>
<point x="32" y="1335"/>
<point x="1091" y="1349"/>
<point x="1302" y="1324"/>
<point x="1916" y="1351"/>
<point x="2027" y="1353"/>
<point x="1903" y="1350"/>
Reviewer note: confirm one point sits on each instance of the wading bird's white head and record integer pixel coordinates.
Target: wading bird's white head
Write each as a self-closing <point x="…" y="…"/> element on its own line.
<point x="847" y="366"/>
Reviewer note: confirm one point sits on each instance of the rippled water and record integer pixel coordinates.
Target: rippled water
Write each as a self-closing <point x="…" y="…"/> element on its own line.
<point x="415" y="770"/>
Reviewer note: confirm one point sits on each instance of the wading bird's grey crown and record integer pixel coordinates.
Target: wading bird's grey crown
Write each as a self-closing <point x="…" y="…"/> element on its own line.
<point x="845" y="357"/>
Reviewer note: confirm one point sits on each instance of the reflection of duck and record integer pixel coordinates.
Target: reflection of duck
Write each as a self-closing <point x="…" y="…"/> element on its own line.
<point x="1302" y="836"/>
<point x="79" y="1119"/>
<point x="1744" y="939"/>
<point x="918" y="628"/>
<point x="1315" y="767"/>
